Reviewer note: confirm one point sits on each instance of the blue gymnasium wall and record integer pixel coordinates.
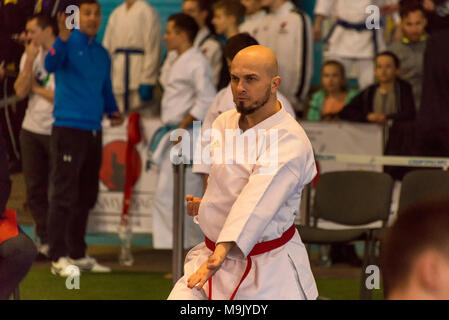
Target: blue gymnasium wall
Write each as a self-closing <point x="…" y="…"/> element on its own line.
<point x="167" y="7"/>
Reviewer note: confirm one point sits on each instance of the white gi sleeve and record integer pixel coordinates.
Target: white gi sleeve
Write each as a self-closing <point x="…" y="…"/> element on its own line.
<point x="203" y="83"/>
<point x="152" y="47"/>
<point x="325" y="7"/>
<point x="107" y="38"/>
<point x="263" y="196"/>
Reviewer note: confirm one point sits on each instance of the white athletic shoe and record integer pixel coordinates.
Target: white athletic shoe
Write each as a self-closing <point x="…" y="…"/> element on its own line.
<point x="64" y="268"/>
<point x="89" y="264"/>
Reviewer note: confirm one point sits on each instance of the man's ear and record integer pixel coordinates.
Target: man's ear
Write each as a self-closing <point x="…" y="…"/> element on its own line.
<point x="276" y="82"/>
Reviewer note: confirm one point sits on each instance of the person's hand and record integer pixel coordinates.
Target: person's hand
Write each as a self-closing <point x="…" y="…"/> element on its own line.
<point x="429" y="5"/>
<point x="32" y="50"/>
<point x="116" y="119"/>
<point x="146" y="92"/>
<point x="193" y="205"/>
<point x="378" y="118"/>
<point x="64" y="33"/>
<point x="389" y="9"/>
<point x="208" y="268"/>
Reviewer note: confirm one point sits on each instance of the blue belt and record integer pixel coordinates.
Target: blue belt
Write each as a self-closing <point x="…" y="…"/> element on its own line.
<point x="354" y="26"/>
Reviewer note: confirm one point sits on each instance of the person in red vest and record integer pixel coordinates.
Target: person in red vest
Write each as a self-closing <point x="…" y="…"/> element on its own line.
<point x="17" y="250"/>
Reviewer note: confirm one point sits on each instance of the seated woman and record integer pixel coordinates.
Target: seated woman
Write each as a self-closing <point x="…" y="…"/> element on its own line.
<point x="333" y="96"/>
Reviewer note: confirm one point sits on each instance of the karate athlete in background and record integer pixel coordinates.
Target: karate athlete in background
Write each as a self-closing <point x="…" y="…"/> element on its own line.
<point x="349" y="41"/>
<point x="134" y="29"/>
<point x="252" y="249"/>
<point x="205" y="40"/>
<point x="288" y="32"/>
<point x="188" y="93"/>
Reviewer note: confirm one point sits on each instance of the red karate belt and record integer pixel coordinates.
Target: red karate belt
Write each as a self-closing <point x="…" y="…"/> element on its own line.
<point x="131" y="176"/>
<point x="259" y="248"/>
<point x="8" y="226"/>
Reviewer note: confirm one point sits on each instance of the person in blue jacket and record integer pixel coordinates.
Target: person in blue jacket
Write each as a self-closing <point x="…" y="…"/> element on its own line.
<point x="83" y="94"/>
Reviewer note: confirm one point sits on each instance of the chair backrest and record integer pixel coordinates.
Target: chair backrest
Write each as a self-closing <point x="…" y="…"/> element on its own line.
<point x="353" y="197"/>
<point x="421" y="185"/>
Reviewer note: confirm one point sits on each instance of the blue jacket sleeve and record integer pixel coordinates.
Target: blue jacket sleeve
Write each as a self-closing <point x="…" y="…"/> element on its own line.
<point x="56" y="56"/>
<point x="110" y="105"/>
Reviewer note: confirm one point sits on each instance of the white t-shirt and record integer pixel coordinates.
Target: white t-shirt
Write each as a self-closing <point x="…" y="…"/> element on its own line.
<point x="39" y="115"/>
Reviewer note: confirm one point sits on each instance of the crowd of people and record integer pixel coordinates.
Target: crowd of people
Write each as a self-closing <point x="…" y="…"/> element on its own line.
<point x="66" y="81"/>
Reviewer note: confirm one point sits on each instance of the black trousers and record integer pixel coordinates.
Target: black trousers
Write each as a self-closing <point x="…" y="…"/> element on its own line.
<point x="75" y="157"/>
<point x="16" y="257"/>
<point x="36" y="170"/>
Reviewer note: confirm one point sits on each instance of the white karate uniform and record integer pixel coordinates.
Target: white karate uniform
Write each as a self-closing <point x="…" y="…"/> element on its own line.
<point x="139" y="28"/>
<point x="209" y="47"/>
<point x="351" y="46"/>
<point x="288" y="33"/>
<point x="247" y="205"/>
<point x="251" y="24"/>
<point x="224" y="102"/>
<point x="189" y="90"/>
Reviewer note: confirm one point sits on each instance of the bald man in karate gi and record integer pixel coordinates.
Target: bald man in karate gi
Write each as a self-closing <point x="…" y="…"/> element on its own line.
<point x="252" y="249"/>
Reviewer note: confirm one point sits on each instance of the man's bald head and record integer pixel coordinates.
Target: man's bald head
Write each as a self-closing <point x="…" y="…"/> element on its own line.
<point x="258" y="57"/>
<point x="254" y="79"/>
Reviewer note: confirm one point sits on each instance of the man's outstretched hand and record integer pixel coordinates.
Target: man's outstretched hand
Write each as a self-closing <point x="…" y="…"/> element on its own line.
<point x="212" y="265"/>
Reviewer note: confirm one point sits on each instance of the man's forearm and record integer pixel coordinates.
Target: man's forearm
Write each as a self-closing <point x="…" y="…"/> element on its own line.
<point x="23" y="84"/>
<point x="45" y="93"/>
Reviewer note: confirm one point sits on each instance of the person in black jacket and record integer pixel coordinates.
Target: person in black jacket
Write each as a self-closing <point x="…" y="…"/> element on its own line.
<point x="389" y="103"/>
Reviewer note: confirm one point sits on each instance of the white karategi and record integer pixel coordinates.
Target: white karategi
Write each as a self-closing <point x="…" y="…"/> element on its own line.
<point x="224" y="102"/>
<point x="251" y="24"/>
<point x="247" y="204"/>
<point x="189" y="90"/>
<point x="209" y="47"/>
<point x="350" y="46"/>
<point x="138" y="28"/>
<point x="288" y="32"/>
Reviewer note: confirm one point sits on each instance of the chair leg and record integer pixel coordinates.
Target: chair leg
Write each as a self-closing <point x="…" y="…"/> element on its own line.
<point x="365" y="293"/>
<point x="16" y="293"/>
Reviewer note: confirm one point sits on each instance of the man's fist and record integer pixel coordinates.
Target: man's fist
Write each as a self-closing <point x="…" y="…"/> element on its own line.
<point x="193" y="205"/>
<point x="64" y="33"/>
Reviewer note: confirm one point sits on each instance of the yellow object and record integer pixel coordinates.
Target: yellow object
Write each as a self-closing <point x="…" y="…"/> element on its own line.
<point x="10" y="1"/>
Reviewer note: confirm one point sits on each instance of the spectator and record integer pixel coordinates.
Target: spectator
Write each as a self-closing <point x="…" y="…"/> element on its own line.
<point x="417" y="267"/>
<point x="17" y="251"/>
<point x="410" y="49"/>
<point x="228" y="15"/>
<point x="134" y="30"/>
<point x="189" y="91"/>
<point x="288" y="32"/>
<point x="350" y="41"/>
<point x="254" y="13"/>
<point x="13" y="17"/>
<point x="388" y="103"/>
<point x="35" y="83"/>
<point x="334" y="94"/>
<point x="83" y="94"/>
<point x="433" y="117"/>
<point x="205" y="40"/>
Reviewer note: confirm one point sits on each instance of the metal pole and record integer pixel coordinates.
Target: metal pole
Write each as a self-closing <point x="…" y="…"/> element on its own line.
<point x="178" y="222"/>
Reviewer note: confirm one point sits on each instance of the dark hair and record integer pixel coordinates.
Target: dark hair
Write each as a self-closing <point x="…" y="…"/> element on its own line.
<point x="408" y="6"/>
<point x="232" y="8"/>
<point x="44" y="21"/>
<point x="342" y="69"/>
<point x="420" y="227"/>
<point x="238" y="42"/>
<point x="184" y="22"/>
<point x="392" y="55"/>
<point x="81" y="2"/>
<point x="206" y="5"/>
